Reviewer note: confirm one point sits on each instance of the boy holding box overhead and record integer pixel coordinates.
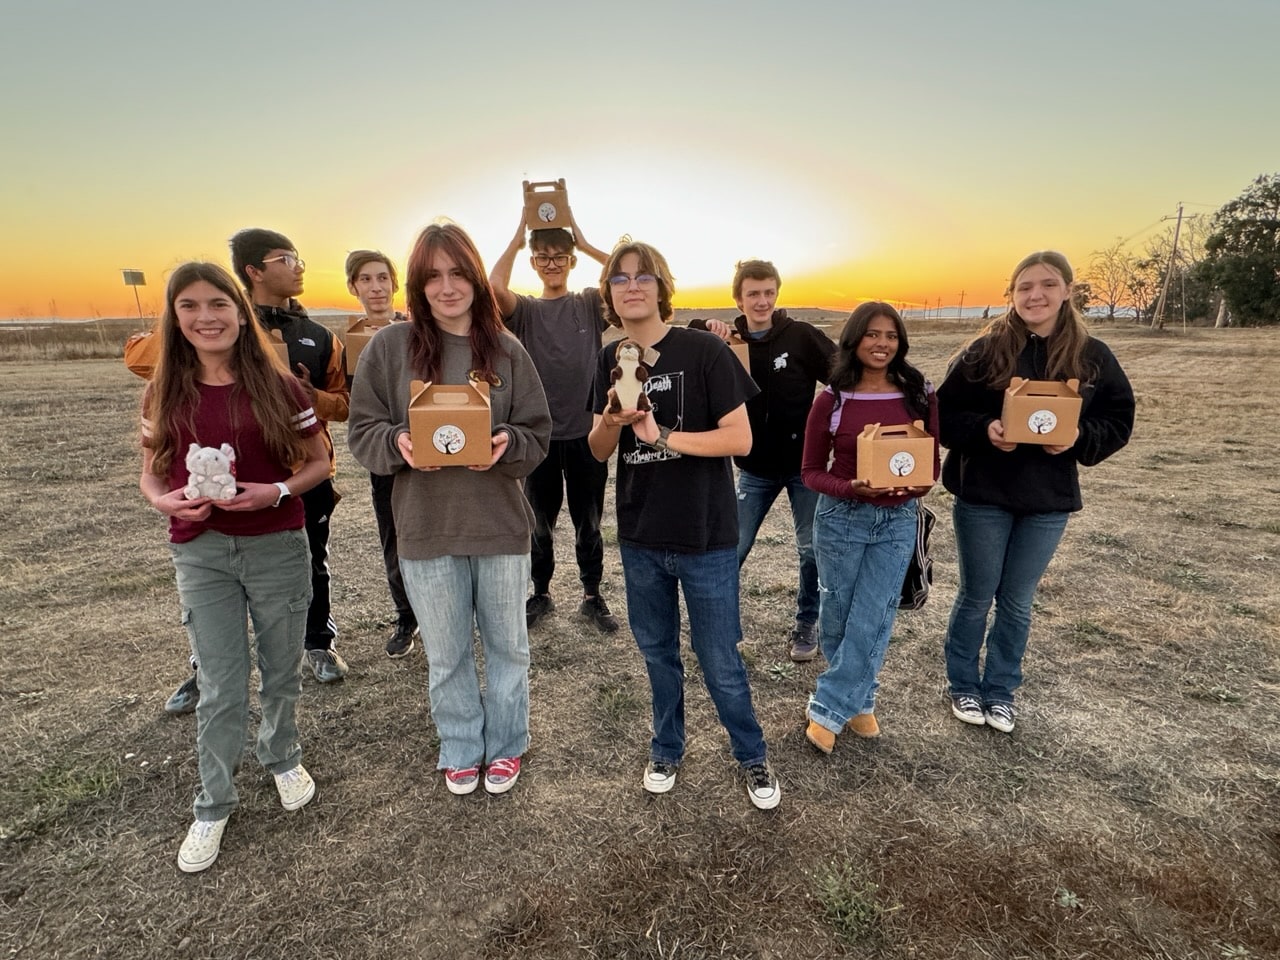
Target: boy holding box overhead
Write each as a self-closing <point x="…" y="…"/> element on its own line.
<point x="561" y="332"/>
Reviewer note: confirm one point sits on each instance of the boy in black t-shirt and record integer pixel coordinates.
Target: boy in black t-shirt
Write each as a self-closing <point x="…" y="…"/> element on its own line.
<point x="677" y="516"/>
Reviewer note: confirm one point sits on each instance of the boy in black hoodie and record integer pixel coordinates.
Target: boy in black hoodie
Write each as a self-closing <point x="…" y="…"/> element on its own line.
<point x="788" y="359"/>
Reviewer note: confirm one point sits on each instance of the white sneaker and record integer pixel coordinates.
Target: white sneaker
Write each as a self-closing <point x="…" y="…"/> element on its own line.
<point x="659" y="777"/>
<point x="762" y="786"/>
<point x="296" y="788"/>
<point x="200" y="849"/>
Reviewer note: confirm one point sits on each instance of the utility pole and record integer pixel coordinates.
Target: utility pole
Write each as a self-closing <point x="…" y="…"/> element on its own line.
<point x="960" y="312"/>
<point x="1157" y="322"/>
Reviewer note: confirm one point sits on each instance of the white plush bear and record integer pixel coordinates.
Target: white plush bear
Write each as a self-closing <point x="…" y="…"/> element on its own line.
<point x="213" y="472"/>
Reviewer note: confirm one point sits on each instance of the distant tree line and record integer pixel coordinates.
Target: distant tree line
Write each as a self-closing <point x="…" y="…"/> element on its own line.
<point x="1226" y="267"/>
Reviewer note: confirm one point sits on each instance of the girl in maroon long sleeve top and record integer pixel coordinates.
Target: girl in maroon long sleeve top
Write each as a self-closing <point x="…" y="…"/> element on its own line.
<point x="862" y="536"/>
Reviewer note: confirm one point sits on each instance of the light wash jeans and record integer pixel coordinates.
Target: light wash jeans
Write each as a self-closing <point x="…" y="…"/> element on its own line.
<point x="1002" y="557"/>
<point x="710" y="584"/>
<point x="450" y="597"/>
<point x="222" y="581"/>
<point x="755" y="497"/>
<point x="863" y="552"/>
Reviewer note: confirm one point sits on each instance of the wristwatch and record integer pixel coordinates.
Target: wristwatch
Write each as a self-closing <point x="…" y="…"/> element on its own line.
<point x="663" y="434"/>
<point x="284" y="492"/>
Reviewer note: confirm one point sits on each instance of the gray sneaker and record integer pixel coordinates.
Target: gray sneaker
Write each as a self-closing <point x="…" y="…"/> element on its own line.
<point x="185" y="698"/>
<point x="326" y="665"/>
<point x="803" y="643"/>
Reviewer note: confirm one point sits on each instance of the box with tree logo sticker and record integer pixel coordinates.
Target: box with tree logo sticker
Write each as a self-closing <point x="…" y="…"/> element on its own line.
<point x="449" y="424"/>
<point x="1046" y="412"/>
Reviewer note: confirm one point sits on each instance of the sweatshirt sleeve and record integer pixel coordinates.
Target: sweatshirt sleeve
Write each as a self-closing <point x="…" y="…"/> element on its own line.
<point x="1107" y="423"/>
<point x="964" y="408"/>
<point x="932" y="427"/>
<point x="333" y="403"/>
<point x="377" y="416"/>
<point x="528" y="424"/>
<point x="817" y="450"/>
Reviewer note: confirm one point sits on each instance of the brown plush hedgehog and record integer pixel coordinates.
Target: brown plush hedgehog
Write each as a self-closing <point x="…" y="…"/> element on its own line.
<point x="628" y="377"/>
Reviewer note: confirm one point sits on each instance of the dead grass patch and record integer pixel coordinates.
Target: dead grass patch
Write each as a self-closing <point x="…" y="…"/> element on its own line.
<point x="1132" y="813"/>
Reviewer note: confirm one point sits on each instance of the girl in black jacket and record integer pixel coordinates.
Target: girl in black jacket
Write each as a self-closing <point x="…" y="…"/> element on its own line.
<point x="1013" y="500"/>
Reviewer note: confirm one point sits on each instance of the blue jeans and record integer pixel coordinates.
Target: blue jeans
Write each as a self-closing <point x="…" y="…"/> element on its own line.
<point x="863" y="552"/>
<point x="755" y="496"/>
<point x="450" y="596"/>
<point x="222" y="581"/>
<point x="710" y="584"/>
<point x="1002" y="557"/>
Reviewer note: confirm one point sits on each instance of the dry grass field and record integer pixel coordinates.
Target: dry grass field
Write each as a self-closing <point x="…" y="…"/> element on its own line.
<point x="1134" y="813"/>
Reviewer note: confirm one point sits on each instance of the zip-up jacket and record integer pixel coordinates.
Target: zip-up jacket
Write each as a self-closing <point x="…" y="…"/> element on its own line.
<point x="320" y="351"/>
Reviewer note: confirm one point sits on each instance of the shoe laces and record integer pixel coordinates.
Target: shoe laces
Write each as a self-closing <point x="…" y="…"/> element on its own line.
<point x="1001" y="710"/>
<point x="661" y="769"/>
<point x="462" y="774"/>
<point x="202" y="830"/>
<point x="760" y="777"/>
<point x="290" y="778"/>
<point x="504" y="768"/>
<point x="968" y="703"/>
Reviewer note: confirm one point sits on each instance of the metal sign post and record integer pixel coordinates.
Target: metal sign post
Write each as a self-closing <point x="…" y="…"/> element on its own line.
<point x="135" y="279"/>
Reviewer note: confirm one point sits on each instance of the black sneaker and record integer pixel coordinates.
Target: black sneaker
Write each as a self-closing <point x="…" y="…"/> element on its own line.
<point x="968" y="709"/>
<point x="537" y="607"/>
<point x="598" y="612"/>
<point x="763" y="787"/>
<point x="184" y="699"/>
<point x="802" y="645"/>
<point x="1000" y="716"/>
<point x="401" y="642"/>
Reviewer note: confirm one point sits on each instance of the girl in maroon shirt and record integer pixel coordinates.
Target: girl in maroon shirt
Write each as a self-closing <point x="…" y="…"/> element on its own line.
<point x="218" y="382"/>
<point x="862" y="536"/>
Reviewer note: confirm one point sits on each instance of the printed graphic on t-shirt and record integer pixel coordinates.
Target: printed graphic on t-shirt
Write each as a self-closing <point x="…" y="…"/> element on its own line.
<point x="666" y="392"/>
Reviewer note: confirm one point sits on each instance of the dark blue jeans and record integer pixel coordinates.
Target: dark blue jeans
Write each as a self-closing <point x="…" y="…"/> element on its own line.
<point x="710" y="584"/>
<point x="380" y="487"/>
<point x="1002" y="557"/>
<point x="755" y="496"/>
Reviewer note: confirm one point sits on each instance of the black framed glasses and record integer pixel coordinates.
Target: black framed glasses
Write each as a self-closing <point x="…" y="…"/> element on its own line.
<point x="546" y="259"/>
<point x="290" y="261"/>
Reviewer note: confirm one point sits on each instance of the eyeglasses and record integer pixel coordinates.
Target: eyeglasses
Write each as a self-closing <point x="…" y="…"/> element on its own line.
<point x="289" y="260"/>
<point x="621" y="281"/>
<point x="545" y="259"/>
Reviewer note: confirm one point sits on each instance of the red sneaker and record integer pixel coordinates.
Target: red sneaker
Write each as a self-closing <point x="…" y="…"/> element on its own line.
<point x="462" y="780"/>
<point x="502" y="775"/>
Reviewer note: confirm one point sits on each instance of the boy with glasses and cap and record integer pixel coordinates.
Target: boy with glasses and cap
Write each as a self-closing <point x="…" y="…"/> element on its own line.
<point x="561" y="332"/>
<point x="271" y="271"/>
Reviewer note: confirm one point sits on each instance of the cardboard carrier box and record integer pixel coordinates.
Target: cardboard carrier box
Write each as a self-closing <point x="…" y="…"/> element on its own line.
<point x="449" y="424"/>
<point x="1046" y="412"/>
<point x="546" y="205"/>
<point x="359" y="332"/>
<point x="742" y="350"/>
<point x="898" y="455"/>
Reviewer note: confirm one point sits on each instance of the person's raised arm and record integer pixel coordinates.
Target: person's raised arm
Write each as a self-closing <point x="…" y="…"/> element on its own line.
<point x="579" y="241"/>
<point x="500" y="275"/>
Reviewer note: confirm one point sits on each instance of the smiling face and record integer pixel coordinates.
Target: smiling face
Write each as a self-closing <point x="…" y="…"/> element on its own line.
<point x="208" y="319"/>
<point x="374" y="287"/>
<point x="449" y="293"/>
<point x="552" y="264"/>
<point x="756" y="302"/>
<point x="1039" y="292"/>
<point x="879" y="344"/>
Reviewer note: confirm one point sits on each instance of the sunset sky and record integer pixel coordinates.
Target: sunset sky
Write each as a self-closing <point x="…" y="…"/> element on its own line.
<point x="905" y="152"/>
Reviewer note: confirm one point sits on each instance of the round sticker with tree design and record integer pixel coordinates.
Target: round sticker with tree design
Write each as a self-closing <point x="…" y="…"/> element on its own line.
<point x="449" y="439"/>
<point x="547" y="212"/>
<point x="902" y="464"/>
<point x="1042" y="422"/>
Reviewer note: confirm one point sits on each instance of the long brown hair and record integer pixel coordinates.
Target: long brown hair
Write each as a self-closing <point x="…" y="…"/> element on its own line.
<point x="993" y="353"/>
<point x="171" y="400"/>
<point x="425" y="343"/>
<point x="846" y="368"/>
